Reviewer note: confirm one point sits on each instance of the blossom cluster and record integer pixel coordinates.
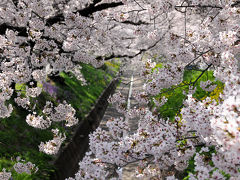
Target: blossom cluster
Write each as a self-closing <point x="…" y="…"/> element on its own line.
<point x="20" y="167"/>
<point x="64" y="112"/>
<point x="210" y="40"/>
<point x="40" y="38"/>
<point x="206" y="85"/>
<point x="171" y="74"/>
<point x="38" y="121"/>
<point x="4" y="175"/>
<point x="52" y="146"/>
<point x="27" y="167"/>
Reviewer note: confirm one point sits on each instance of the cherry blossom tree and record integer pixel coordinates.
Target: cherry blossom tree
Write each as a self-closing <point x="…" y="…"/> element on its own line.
<point x="209" y="36"/>
<point x="40" y="38"/>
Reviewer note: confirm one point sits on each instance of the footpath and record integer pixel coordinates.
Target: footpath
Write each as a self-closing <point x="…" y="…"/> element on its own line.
<point x="130" y="82"/>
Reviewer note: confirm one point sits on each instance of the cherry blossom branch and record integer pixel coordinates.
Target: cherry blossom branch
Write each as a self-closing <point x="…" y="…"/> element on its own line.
<point x="201" y="74"/>
<point x="138" y="4"/>
<point x="132" y="56"/>
<point x="190" y="137"/>
<point x="135" y="23"/>
<point x="175" y="88"/>
<point x="149" y="156"/>
<point x="198" y="57"/>
<point x="198" y="6"/>
<point x="86" y="12"/>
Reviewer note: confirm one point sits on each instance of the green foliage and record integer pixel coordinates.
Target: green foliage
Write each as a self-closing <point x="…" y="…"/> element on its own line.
<point x="189" y="169"/>
<point x="207" y="158"/>
<point x="112" y="67"/>
<point x="192" y="75"/>
<point x="176" y="96"/>
<point x="174" y="103"/>
<point x="160" y="65"/>
<point x="17" y="138"/>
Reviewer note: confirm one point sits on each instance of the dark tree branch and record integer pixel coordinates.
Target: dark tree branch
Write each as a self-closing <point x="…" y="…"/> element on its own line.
<point x="202" y="74"/>
<point x="55" y="19"/>
<point x="198" y="6"/>
<point x="127" y="56"/>
<point x="92" y="8"/>
<point x="190" y="137"/>
<point x="60" y="17"/>
<point x="86" y="12"/>
<point x="198" y="57"/>
<point x="15" y="2"/>
<point x="22" y="30"/>
<point x="138" y="4"/>
<point x="236" y="4"/>
<point x="135" y="23"/>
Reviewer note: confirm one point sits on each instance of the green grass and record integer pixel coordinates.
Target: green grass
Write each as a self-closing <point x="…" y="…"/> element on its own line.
<point x="175" y="93"/>
<point x="17" y="138"/>
<point x="84" y="97"/>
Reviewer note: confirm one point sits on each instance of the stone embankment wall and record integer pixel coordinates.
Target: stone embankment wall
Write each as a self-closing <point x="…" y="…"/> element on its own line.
<point x="68" y="159"/>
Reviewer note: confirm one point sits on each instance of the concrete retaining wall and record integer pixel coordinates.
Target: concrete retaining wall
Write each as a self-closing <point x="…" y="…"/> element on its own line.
<point x="68" y="159"/>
